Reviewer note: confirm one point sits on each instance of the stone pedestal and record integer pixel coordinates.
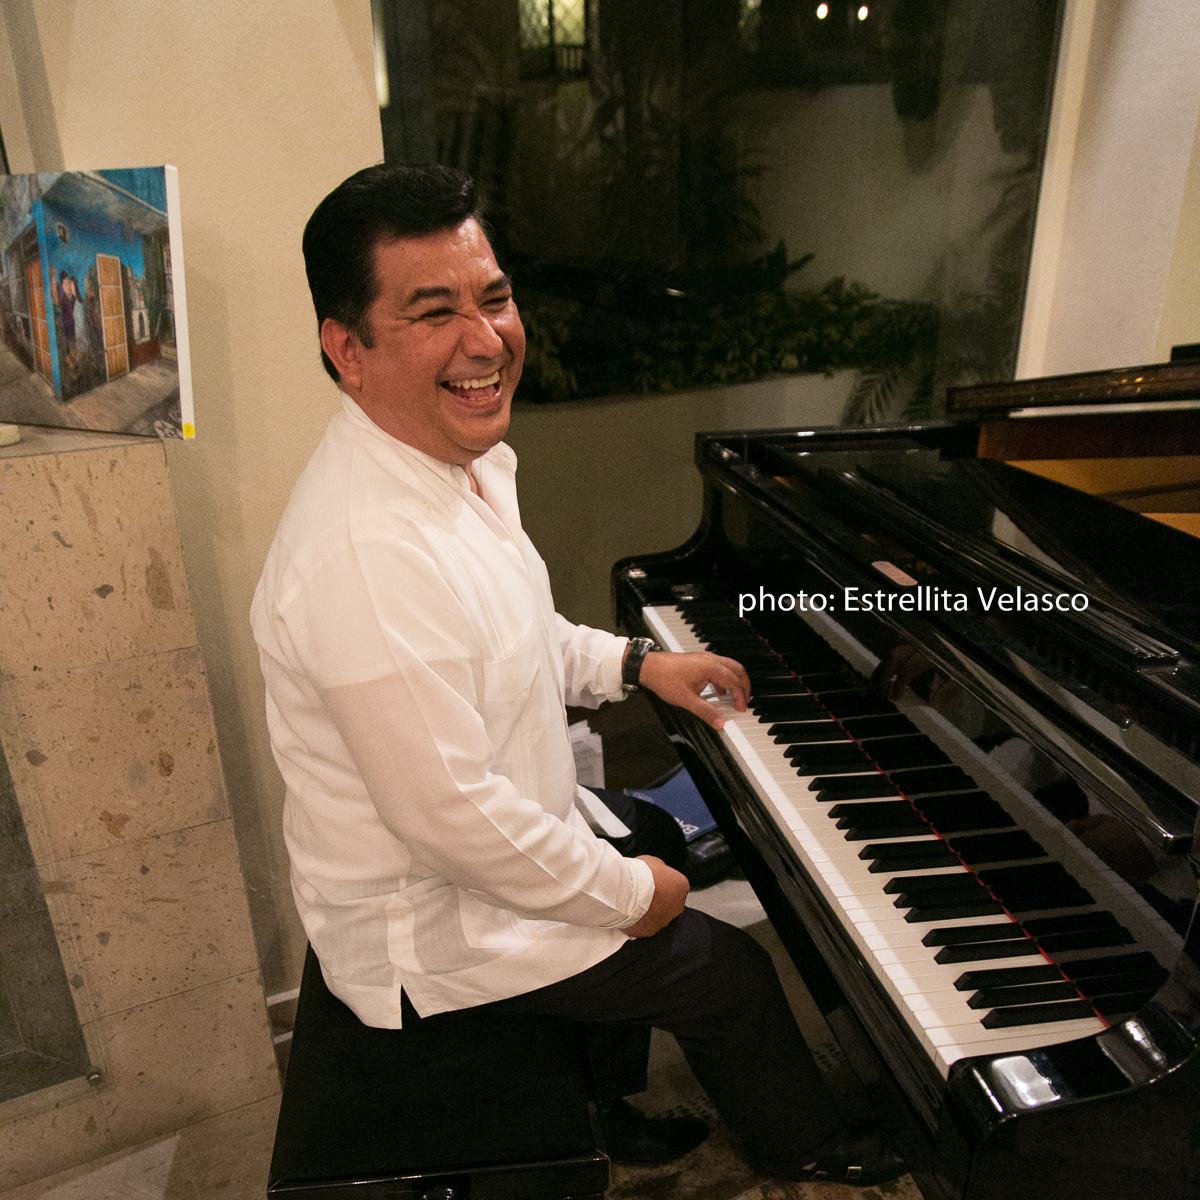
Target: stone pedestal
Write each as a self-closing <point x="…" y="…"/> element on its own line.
<point x="108" y="733"/>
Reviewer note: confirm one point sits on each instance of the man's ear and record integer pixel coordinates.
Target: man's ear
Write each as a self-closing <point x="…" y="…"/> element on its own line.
<point x="344" y="350"/>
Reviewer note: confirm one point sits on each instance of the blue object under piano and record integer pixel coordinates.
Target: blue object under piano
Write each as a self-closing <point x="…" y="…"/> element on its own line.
<point x="709" y="857"/>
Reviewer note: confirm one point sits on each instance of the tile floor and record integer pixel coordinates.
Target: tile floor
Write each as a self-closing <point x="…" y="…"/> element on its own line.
<point x="226" y="1158"/>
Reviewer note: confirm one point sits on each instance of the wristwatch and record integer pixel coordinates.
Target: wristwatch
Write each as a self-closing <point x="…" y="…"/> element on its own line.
<point x="631" y="670"/>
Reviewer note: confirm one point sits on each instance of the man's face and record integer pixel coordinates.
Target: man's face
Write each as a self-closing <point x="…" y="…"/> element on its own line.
<point x="448" y="345"/>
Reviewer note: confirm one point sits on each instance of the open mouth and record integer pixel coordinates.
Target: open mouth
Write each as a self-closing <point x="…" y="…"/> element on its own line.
<point x="485" y="388"/>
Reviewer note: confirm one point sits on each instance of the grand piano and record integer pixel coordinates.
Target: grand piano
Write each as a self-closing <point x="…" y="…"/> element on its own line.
<point x="968" y="785"/>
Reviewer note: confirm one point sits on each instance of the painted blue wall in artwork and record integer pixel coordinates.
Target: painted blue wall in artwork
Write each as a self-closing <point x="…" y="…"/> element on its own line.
<point x="146" y="183"/>
<point x="71" y="240"/>
<point x="89" y="236"/>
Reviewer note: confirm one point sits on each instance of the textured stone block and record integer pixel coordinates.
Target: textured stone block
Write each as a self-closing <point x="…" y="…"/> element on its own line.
<point x="108" y="754"/>
<point x="186" y="1058"/>
<point x="156" y="917"/>
<point x="92" y="565"/>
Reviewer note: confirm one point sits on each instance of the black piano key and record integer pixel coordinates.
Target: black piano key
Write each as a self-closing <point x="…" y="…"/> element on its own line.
<point x="958" y="882"/>
<point x="983" y="951"/>
<point x="712" y="618"/>
<point x="1036" y="1014"/>
<point x="818" y="680"/>
<point x="806" y="769"/>
<point x="1098" y="986"/>
<point x="742" y="645"/>
<point x="970" y="981"/>
<point x="913" y="856"/>
<point x="1086" y="968"/>
<point x="892" y="725"/>
<point x="724" y="638"/>
<point x="769" y="682"/>
<point x="789" y="691"/>
<point x="844" y="760"/>
<point x="796" y="733"/>
<point x="1047" y="900"/>
<point x="1039" y="885"/>
<point x="951" y="912"/>
<point x="857" y="703"/>
<point x="863" y="833"/>
<point x="786" y="708"/>
<point x="926" y="899"/>
<point x="957" y="935"/>
<point x="1070" y="922"/>
<point x="931" y="779"/>
<point x="1084" y="939"/>
<point x="770" y="669"/>
<point x="835" y="755"/>
<point x="833" y="788"/>
<point x="1129" y="1002"/>
<point x="902" y="752"/>
<point x="961" y="812"/>
<point x="879" y="812"/>
<point x="995" y="847"/>
<point x="947" y="898"/>
<point x="1034" y="993"/>
<point x="790" y="635"/>
<point x="807" y="660"/>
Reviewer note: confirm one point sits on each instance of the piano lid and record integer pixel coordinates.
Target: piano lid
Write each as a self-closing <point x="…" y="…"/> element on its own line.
<point x="1155" y="384"/>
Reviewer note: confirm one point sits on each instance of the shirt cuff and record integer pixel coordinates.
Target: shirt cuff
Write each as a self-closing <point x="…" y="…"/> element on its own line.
<point x="644" y="884"/>
<point x="608" y="677"/>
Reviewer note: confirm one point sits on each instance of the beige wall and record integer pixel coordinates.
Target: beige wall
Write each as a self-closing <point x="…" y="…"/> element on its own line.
<point x="263" y="107"/>
<point x="1114" y="190"/>
<point x="604" y="479"/>
<point x="1180" y="324"/>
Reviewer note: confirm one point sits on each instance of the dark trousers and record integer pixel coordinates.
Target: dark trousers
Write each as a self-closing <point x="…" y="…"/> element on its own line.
<point x="715" y="989"/>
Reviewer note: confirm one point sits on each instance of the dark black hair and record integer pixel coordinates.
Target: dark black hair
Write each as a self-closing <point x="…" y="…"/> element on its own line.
<point x="378" y="203"/>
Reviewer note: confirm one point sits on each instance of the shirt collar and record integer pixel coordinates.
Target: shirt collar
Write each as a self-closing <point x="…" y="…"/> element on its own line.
<point x="500" y="457"/>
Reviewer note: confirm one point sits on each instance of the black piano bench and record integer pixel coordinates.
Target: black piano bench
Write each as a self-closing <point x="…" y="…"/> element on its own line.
<point x="483" y="1107"/>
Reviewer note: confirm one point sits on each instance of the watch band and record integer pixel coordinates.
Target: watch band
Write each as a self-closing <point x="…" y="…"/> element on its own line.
<point x="631" y="670"/>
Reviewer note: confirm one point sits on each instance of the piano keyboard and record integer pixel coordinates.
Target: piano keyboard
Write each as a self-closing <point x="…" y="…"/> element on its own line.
<point x="890" y="855"/>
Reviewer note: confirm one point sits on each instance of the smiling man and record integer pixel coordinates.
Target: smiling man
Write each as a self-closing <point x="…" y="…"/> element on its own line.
<point x="444" y="857"/>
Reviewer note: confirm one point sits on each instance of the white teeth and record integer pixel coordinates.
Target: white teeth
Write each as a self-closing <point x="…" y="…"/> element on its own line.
<point x="494" y="378"/>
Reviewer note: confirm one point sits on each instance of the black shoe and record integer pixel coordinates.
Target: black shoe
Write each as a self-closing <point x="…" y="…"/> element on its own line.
<point x="636" y="1140"/>
<point x="861" y="1155"/>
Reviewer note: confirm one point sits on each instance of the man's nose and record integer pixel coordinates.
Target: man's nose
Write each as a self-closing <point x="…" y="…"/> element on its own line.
<point x="480" y="339"/>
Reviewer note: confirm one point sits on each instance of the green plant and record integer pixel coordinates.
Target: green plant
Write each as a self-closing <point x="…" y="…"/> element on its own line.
<point x="640" y="331"/>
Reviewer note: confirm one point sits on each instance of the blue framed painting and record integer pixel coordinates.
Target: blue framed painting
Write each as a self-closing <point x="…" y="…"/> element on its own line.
<point x="93" y="320"/>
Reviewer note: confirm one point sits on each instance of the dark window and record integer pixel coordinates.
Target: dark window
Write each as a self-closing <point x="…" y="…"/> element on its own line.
<point x="699" y="192"/>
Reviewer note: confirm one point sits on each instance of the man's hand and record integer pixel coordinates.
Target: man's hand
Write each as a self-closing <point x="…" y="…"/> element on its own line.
<point x="670" y="891"/>
<point x="680" y="678"/>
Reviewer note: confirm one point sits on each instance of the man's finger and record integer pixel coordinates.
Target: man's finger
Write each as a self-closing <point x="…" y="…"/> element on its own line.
<point x="739" y="673"/>
<point x="708" y="713"/>
<point x="730" y="677"/>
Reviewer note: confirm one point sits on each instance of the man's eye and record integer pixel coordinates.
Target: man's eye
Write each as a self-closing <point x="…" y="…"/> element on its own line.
<point x="497" y="303"/>
<point x="436" y="316"/>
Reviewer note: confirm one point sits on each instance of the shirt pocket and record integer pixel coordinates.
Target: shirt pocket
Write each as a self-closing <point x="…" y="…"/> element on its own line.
<point x="509" y="697"/>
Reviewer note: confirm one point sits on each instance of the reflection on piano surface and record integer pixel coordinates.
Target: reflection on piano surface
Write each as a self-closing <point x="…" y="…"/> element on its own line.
<point x="985" y="876"/>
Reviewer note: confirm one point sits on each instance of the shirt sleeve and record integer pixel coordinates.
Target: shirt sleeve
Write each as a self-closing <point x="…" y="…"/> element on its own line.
<point x="392" y="653"/>
<point x="591" y="663"/>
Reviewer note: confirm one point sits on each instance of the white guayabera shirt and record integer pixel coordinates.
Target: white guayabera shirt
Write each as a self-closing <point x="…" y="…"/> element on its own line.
<point x="416" y="674"/>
